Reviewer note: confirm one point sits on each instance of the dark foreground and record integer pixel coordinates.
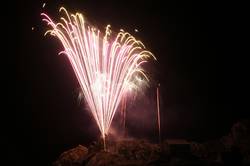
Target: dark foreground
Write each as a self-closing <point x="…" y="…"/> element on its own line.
<point x="233" y="149"/>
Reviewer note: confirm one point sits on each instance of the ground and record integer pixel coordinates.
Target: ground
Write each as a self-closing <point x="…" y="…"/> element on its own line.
<point x="232" y="149"/>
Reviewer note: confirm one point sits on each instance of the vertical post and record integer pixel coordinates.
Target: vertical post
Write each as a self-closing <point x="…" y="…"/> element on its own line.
<point x="158" y="112"/>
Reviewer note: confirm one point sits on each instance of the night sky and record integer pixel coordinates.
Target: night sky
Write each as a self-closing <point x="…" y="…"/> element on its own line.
<point x="195" y="47"/>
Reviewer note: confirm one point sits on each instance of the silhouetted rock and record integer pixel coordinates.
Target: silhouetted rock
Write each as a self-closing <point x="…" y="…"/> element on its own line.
<point x="233" y="149"/>
<point x="72" y="157"/>
<point x="138" y="150"/>
<point x="106" y="158"/>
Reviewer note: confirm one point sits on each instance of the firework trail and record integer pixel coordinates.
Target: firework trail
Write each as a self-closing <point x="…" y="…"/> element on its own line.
<point x="106" y="69"/>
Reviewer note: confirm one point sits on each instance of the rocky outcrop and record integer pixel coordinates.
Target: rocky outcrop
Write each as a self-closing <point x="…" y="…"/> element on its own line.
<point x="126" y="152"/>
<point x="233" y="148"/>
<point x="72" y="157"/>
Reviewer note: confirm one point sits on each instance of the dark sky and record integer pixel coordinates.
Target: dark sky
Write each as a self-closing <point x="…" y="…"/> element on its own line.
<point x="195" y="46"/>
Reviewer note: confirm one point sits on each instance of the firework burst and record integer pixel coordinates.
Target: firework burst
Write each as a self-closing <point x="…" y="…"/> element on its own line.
<point x="106" y="69"/>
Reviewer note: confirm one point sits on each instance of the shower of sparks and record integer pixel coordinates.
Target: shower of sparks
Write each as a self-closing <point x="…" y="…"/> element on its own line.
<point x="106" y="69"/>
<point x="44" y="4"/>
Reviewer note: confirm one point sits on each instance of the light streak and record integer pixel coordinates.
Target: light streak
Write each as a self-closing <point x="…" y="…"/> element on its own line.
<point x="158" y="112"/>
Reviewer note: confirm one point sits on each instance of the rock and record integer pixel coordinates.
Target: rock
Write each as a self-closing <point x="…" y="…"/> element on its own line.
<point x="74" y="156"/>
<point x="126" y="152"/>
<point x="106" y="158"/>
<point x="230" y="149"/>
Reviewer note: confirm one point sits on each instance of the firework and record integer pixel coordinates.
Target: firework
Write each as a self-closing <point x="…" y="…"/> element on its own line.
<point x="106" y="68"/>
